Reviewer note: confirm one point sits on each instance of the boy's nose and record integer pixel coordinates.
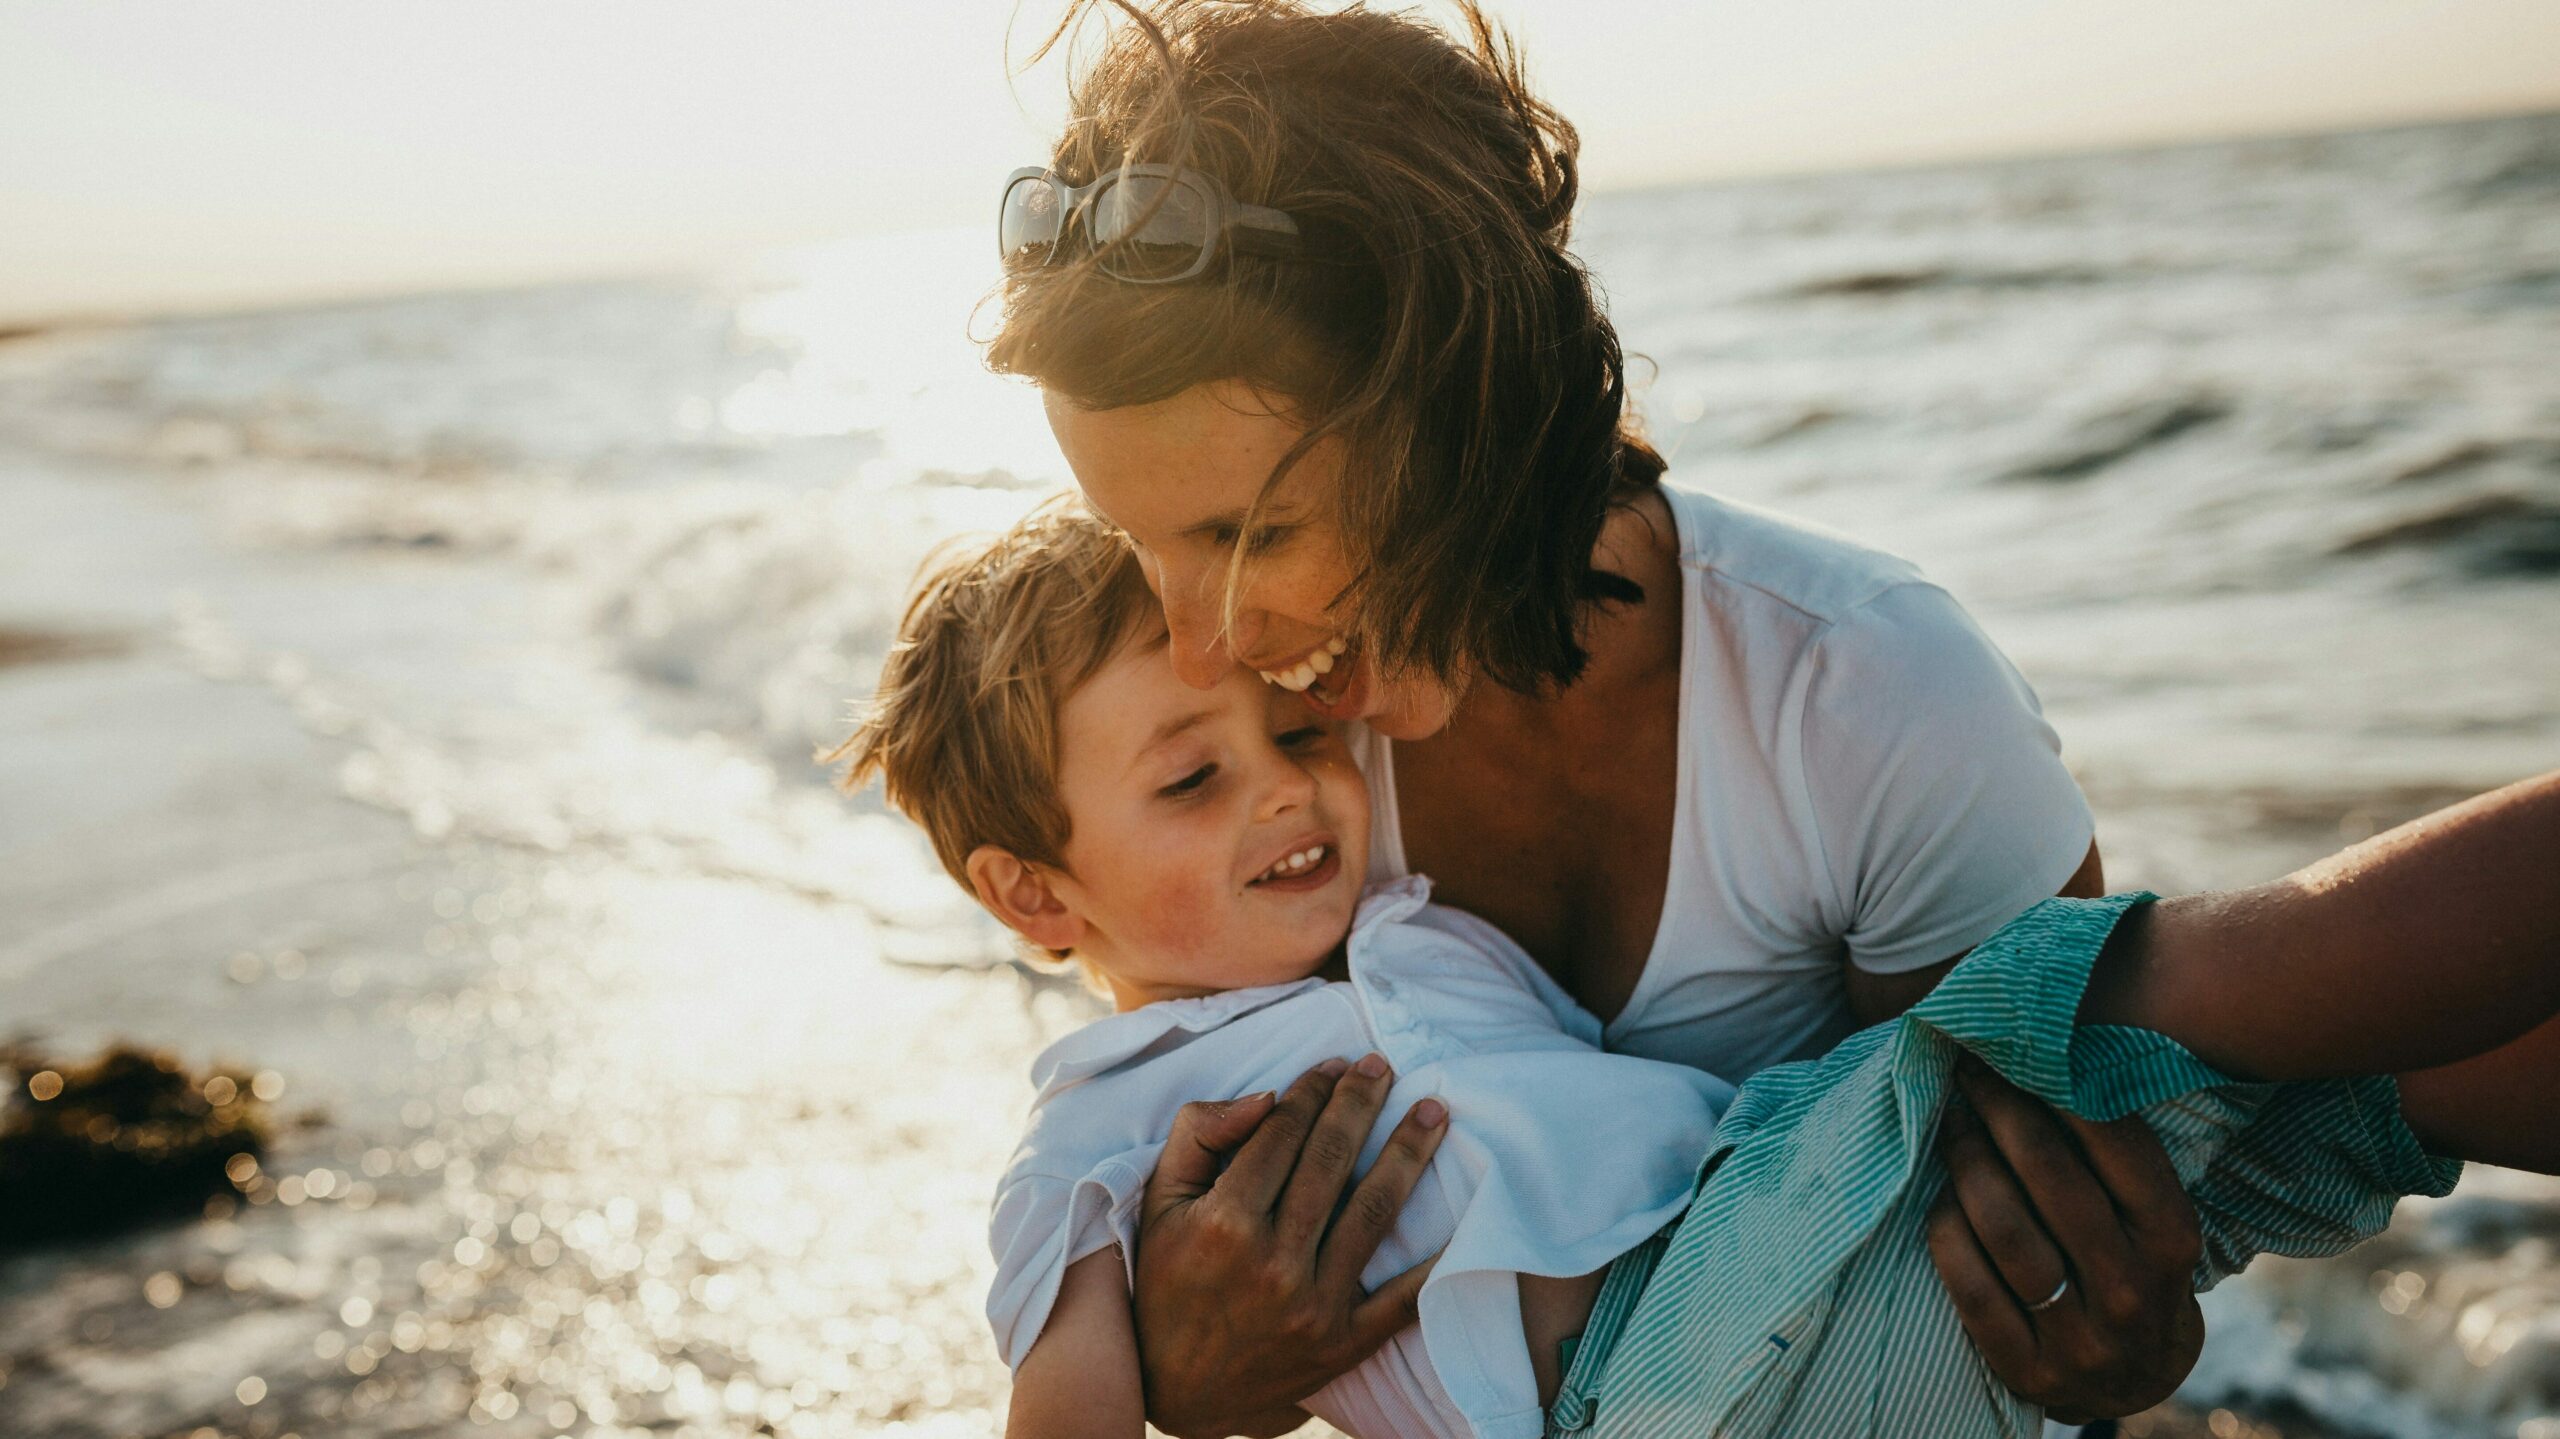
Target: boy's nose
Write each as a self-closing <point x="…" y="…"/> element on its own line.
<point x="1290" y="787"/>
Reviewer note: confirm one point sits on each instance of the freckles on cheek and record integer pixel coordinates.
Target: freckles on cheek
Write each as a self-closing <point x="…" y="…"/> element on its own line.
<point x="1181" y="920"/>
<point x="1181" y="906"/>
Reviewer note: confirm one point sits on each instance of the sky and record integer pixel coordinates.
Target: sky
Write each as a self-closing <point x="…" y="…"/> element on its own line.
<point x="179" y="154"/>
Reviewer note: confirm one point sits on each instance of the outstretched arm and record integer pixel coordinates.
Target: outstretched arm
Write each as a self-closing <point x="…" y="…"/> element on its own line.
<point x="2425" y="947"/>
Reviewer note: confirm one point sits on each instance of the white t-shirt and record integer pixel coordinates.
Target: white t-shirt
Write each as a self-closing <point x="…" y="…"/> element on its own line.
<point x="1558" y="1158"/>
<point x="1863" y="778"/>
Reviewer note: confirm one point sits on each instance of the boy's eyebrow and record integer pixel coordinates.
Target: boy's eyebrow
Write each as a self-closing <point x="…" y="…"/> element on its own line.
<point x="1169" y="729"/>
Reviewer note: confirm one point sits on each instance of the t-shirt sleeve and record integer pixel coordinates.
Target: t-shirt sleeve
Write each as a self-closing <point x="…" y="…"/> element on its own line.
<point x="1938" y="794"/>
<point x="1042" y="1224"/>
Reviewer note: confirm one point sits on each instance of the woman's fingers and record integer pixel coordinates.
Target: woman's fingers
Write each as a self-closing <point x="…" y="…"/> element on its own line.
<point x="1992" y="1318"/>
<point x="1253" y="1181"/>
<point x="1203" y="1135"/>
<point x="2003" y="1220"/>
<point x="2134" y="1166"/>
<point x="1372" y="1209"/>
<point x="2066" y="1194"/>
<point x="1332" y="1146"/>
<point x="2028" y="1181"/>
<point x="1392" y="1308"/>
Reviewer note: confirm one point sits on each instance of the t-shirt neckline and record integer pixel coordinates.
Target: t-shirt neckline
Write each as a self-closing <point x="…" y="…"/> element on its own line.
<point x="1387" y="830"/>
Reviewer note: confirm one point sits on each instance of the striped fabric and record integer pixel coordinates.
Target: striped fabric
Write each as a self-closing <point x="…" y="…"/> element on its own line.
<point x="1586" y="1355"/>
<point x="1797" y="1297"/>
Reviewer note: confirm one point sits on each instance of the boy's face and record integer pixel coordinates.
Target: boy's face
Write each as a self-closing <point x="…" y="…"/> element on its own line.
<point x="1191" y="815"/>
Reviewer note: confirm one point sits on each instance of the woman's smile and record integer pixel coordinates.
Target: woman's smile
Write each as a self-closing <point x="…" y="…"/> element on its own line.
<point x="1296" y="675"/>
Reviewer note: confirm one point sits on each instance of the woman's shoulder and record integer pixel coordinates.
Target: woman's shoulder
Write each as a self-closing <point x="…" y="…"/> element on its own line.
<point x="1780" y="606"/>
<point x="1736" y="552"/>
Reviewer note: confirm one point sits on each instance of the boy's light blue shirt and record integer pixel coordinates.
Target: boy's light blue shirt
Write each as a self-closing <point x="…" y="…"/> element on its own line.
<point x="1558" y="1157"/>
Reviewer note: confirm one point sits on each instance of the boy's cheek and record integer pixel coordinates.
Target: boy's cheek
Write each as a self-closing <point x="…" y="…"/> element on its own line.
<point x="1181" y="915"/>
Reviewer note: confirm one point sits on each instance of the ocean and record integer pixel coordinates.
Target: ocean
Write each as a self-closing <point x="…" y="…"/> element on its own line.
<point x="415" y="701"/>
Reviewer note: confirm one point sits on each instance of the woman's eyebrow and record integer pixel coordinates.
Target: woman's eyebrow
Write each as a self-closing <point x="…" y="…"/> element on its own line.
<point x="1274" y="515"/>
<point x="1168" y="730"/>
<point x="1223" y="520"/>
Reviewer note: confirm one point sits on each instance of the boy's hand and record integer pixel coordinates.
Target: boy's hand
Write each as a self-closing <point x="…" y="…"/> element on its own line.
<point x="1249" y="1296"/>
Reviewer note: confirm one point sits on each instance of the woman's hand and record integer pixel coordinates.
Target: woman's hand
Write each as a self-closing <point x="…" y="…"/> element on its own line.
<point x="1248" y="1284"/>
<point x="2028" y="1206"/>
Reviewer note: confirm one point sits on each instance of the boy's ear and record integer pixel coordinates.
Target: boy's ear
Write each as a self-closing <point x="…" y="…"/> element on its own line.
<point x="1021" y="895"/>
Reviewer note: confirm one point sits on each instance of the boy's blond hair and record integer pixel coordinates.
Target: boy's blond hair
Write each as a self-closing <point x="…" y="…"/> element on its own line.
<point x="963" y="729"/>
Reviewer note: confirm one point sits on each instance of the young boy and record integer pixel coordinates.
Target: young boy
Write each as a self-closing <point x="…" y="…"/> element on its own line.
<point x="1199" y="853"/>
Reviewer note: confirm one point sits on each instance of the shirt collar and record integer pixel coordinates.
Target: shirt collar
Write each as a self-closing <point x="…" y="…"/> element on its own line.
<point x="1109" y="1040"/>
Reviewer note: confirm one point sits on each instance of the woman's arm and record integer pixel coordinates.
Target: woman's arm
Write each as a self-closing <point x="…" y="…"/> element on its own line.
<point x="1080" y="1380"/>
<point x="2431" y="944"/>
<point x="1875" y="998"/>
<point x="1249" y="1295"/>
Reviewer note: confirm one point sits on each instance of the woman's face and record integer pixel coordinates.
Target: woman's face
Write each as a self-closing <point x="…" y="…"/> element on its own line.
<point x="1178" y="477"/>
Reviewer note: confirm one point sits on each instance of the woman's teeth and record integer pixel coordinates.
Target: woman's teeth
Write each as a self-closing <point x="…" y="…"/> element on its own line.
<point x="1299" y="863"/>
<point x="1305" y="672"/>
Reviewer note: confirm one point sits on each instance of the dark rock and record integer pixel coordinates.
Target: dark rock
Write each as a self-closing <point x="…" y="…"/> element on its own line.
<point x="126" y="1139"/>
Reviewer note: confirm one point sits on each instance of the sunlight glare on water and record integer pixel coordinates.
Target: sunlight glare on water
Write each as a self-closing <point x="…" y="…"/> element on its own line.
<point x="879" y="331"/>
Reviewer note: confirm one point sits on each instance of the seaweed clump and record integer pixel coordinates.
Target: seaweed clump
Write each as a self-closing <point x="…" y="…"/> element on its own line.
<point x="126" y="1139"/>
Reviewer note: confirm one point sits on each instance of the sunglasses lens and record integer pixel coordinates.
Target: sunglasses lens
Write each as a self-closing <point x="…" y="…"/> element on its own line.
<point x="1148" y="227"/>
<point x="1028" y="225"/>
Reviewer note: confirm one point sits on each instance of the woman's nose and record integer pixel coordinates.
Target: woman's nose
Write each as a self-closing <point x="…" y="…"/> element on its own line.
<point x="1289" y="787"/>
<point x="1201" y="648"/>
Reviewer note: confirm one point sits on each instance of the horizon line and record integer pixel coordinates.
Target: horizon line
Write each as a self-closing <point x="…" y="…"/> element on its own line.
<point x="18" y="325"/>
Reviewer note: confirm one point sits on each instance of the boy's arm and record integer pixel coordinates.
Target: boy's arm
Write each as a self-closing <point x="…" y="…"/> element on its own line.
<point x="2431" y="944"/>
<point x="1081" y="1377"/>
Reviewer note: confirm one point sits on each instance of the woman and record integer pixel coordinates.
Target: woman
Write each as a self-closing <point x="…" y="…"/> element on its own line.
<point x="1295" y="287"/>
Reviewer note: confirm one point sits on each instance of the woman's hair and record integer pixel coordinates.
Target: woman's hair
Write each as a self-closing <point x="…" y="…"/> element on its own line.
<point x="1437" y="325"/>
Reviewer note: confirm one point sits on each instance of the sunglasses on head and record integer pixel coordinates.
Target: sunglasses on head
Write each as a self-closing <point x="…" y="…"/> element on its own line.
<point x="1148" y="224"/>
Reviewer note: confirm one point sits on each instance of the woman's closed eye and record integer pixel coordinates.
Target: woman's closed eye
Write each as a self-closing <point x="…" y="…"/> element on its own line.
<point x="1261" y="540"/>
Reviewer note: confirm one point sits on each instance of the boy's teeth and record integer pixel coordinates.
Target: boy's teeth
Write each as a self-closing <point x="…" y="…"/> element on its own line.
<point x="1298" y="863"/>
<point x="1336" y="645"/>
<point x="1321" y="662"/>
